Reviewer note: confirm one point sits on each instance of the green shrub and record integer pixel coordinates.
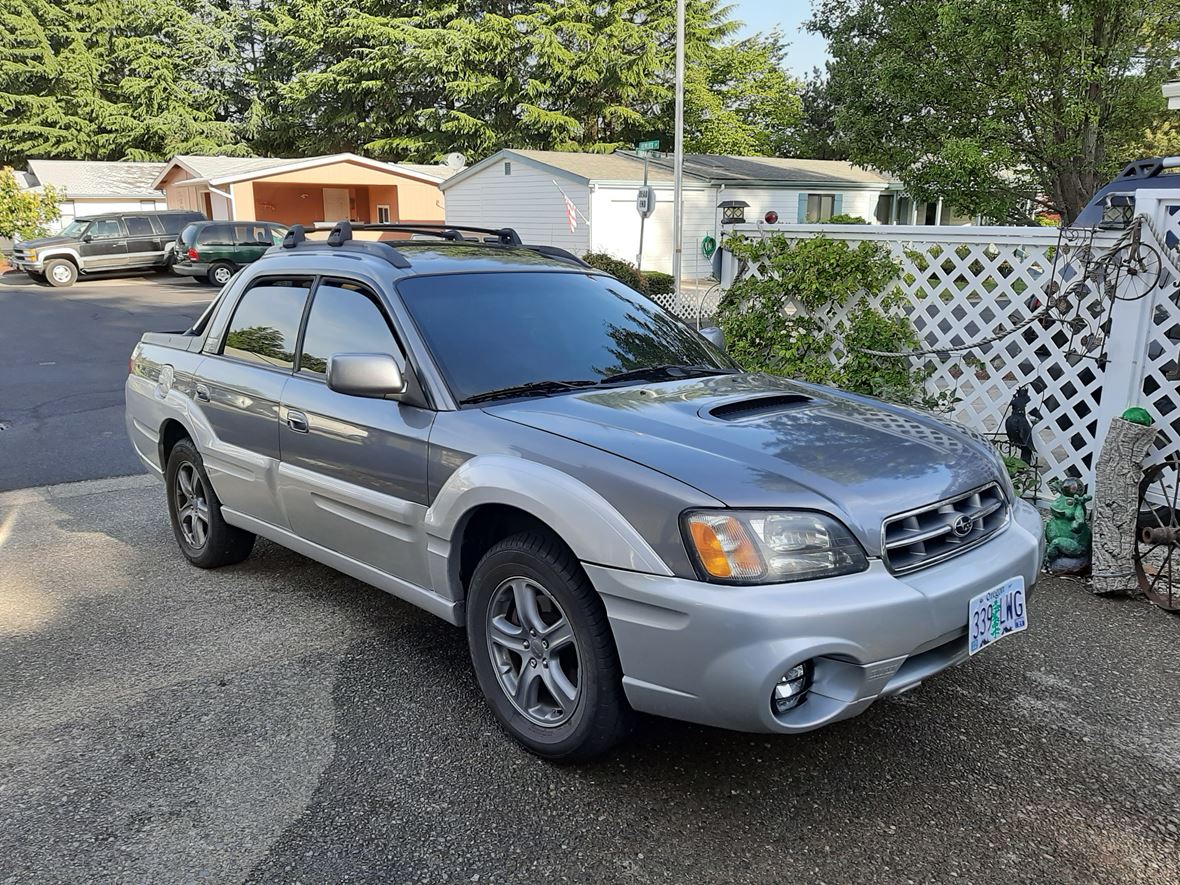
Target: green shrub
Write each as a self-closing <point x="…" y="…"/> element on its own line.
<point x="790" y="321"/>
<point x="623" y="271"/>
<point x="650" y="283"/>
<point x="658" y="283"/>
<point x="845" y="219"/>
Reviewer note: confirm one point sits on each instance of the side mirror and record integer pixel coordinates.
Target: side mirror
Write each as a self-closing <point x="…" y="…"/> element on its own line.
<point x="87" y="239"/>
<point x="373" y="375"/>
<point x="714" y="336"/>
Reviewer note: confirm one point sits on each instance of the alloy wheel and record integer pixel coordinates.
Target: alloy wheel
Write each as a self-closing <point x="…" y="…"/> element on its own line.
<point x="192" y="506"/>
<point x="221" y="275"/>
<point x="60" y="273"/>
<point x="534" y="652"/>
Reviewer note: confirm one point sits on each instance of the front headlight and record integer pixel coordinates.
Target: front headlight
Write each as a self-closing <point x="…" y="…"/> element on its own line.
<point x="770" y="547"/>
<point x="30" y="254"/>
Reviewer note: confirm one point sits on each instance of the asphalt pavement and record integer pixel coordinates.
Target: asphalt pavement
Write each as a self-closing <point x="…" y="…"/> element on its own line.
<point x="279" y="722"/>
<point x="64" y="356"/>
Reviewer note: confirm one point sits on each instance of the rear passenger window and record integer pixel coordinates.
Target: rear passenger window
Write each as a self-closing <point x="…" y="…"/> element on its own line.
<point x="265" y="324"/>
<point x="344" y="318"/>
<point x="172" y="223"/>
<point x="139" y="226"/>
<point x="216" y="235"/>
<point x="252" y="235"/>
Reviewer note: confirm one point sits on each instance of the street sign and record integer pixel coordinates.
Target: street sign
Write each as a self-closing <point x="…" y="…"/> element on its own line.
<point x="645" y="147"/>
<point x="645" y="201"/>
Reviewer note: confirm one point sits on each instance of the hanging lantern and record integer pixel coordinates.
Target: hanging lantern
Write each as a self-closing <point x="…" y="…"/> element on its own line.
<point x="733" y="211"/>
<point x="1118" y="212"/>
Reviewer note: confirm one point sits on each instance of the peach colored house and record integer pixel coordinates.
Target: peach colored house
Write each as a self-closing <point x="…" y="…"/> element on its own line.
<point x="304" y="191"/>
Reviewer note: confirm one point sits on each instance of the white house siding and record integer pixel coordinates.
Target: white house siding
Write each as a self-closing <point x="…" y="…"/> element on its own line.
<point x="71" y="209"/>
<point x="616" y="227"/>
<point x="785" y="201"/>
<point x="526" y="200"/>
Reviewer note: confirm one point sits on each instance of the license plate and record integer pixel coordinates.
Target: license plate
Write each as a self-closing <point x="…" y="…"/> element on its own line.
<point x="996" y="613"/>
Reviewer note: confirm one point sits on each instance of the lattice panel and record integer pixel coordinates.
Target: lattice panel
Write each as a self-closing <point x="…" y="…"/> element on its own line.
<point x="965" y="285"/>
<point x="1161" y="369"/>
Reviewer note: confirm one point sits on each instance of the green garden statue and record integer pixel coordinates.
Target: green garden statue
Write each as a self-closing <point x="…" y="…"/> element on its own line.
<point x="1067" y="533"/>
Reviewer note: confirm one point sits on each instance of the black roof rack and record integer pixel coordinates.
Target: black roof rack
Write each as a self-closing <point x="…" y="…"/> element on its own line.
<point x="341" y="238"/>
<point x="505" y="236"/>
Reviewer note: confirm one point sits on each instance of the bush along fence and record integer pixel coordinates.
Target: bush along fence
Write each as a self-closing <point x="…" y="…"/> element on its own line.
<point x="1085" y="322"/>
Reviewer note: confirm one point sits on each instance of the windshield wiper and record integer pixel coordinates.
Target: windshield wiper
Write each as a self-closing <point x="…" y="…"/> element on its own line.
<point x="664" y="373"/>
<point x="533" y="387"/>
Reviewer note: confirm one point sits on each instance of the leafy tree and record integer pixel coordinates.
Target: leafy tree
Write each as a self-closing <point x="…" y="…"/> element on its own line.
<point x="109" y="80"/>
<point x="24" y="213"/>
<point x="815" y="135"/>
<point x="740" y="100"/>
<point x="407" y="79"/>
<point x="986" y="103"/>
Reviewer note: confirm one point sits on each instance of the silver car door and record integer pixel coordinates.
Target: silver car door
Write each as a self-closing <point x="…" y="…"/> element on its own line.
<point x="353" y="470"/>
<point x="239" y="389"/>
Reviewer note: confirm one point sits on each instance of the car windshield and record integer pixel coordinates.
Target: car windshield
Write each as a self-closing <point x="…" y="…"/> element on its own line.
<point x="75" y="227"/>
<point x="499" y="332"/>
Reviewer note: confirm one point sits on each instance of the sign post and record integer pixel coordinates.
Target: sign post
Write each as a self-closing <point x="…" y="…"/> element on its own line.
<point x="645" y="199"/>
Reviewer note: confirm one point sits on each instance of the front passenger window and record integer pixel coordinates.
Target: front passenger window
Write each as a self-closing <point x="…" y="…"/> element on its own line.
<point x="343" y="321"/>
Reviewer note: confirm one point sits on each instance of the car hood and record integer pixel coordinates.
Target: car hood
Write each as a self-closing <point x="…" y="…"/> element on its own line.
<point x="762" y="441"/>
<point x="43" y="242"/>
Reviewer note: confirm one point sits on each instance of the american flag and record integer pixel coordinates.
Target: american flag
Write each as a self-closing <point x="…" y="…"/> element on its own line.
<point x="571" y="213"/>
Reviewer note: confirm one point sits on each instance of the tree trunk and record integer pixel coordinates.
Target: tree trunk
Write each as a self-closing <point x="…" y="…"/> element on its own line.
<point x="1116" y="505"/>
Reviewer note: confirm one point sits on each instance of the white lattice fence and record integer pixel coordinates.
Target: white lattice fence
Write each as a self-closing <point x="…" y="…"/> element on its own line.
<point x="963" y="285"/>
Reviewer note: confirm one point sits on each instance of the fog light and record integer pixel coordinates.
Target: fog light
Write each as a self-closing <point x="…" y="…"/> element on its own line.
<point x="791" y="689"/>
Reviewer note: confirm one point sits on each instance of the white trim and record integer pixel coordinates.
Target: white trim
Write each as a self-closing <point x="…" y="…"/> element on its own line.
<point x="388" y="213"/>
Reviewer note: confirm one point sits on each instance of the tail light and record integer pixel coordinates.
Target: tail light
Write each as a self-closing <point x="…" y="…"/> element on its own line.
<point x="192" y="254"/>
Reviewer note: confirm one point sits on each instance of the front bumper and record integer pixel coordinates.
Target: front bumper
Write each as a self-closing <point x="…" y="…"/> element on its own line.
<point x="26" y="266"/>
<point x="713" y="654"/>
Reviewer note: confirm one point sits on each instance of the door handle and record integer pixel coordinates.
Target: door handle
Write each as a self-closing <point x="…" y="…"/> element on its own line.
<point x="202" y="393"/>
<point x="297" y="421"/>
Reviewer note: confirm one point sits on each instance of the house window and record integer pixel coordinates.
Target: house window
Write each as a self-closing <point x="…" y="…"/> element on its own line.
<point x="820" y="207"/>
<point x="382" y="214"/>
<point x="507" y="168"/>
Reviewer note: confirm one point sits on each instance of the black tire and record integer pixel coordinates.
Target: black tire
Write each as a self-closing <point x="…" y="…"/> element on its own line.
<point x="61" y="272"/>
<point x="219" y="273"/>
<point x="221" y="543"/>
<point x="601" y="717"/>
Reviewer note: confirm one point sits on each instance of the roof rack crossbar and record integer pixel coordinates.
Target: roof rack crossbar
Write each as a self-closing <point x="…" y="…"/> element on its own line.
<point x="341" y="238"/>
<point x="505" y="235"/>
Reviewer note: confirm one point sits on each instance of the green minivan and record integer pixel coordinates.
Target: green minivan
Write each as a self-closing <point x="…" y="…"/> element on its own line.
<point x="216" y="250"/>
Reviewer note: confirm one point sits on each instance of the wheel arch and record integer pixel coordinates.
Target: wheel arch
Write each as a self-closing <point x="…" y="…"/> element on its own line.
<point x="524" y="494"/>
<point x="67" y="254"/>
<point x="172" y="431"/>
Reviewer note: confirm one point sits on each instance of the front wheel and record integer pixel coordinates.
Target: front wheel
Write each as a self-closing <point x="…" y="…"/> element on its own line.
<point x="61" y="272"/>
<point x="543" y="651"/>
<point x="204" y="537"/>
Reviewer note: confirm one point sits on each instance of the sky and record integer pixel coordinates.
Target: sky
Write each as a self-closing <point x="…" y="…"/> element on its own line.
<point x="806" y="50"/>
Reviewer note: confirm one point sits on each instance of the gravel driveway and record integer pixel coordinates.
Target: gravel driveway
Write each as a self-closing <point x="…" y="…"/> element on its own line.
<point x="278" y="722"/>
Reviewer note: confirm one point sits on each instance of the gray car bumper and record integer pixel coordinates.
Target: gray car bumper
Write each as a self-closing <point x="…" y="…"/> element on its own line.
<point x="713" y="654"/>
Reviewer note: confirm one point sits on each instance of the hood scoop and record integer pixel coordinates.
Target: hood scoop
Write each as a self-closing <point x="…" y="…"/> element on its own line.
<point x="757" y="407"/>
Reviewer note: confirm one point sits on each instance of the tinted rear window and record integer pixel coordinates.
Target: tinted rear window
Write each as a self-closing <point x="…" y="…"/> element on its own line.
<point x="188" y="236"/>
<point x="265" y="323"/>
<point x="173" y="223"/>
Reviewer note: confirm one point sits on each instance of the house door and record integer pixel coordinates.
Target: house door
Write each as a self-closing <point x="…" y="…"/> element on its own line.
<point x="336" y="204"/>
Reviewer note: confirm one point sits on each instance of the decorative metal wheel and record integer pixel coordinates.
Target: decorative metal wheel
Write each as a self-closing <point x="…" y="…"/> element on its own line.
<point x="1157" y="542"/>
<point x="1133" y="270"/>
<point x="192" y="506"/>
<point x="534" y="652"/>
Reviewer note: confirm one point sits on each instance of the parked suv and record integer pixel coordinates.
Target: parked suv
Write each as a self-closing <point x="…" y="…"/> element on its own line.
<point x="216" y="250"/>
<point x="618" y="515"/>
<point x="113" y="241"/>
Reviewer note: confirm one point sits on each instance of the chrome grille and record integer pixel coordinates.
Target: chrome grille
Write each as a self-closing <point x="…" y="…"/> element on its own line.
<point x="927" y="535"/>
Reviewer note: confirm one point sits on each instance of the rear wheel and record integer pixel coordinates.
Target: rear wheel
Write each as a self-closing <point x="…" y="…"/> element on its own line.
<point x="543" y="651"/>
<point x="220" y="273"/>
<point x="205" y="538"/>
<point x="61" y="272"/>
